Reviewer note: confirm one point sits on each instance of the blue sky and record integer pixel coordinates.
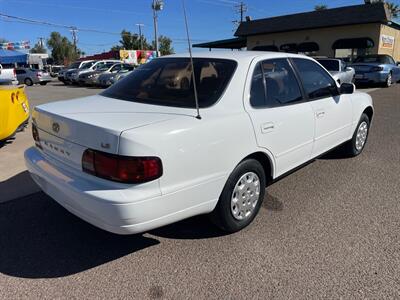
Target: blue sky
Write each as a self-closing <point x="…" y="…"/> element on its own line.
<point x="208" y="19"/>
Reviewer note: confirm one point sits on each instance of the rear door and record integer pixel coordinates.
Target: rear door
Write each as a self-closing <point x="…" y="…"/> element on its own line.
<point x="332" y="111"/>
<point x="283" y="120"/>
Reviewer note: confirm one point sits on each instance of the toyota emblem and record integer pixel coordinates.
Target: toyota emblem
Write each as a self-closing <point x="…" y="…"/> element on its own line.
<point x="56" y="127"/>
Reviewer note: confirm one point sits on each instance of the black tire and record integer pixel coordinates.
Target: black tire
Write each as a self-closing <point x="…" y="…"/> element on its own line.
<point x="350" y="147"/>
<point x="28" y="81"/>
<point x="222" y="216"/>
<point x="389" y="80"/>
<point x="43" y="83"/>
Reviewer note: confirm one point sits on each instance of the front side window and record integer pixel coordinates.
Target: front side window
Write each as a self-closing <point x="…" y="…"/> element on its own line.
<point x="275" y="81"/>
<point x="168" y="81"/>
<point x="316" y="81"/>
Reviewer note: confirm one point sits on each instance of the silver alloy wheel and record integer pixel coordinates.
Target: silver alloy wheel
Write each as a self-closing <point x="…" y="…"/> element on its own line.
<point x="362" y="134"/>
<point x="245" y="196"/>
<point x="389" y="80"/>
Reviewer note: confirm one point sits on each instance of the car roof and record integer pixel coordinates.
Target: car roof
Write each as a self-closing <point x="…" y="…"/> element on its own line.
<point x="236" y="55"/>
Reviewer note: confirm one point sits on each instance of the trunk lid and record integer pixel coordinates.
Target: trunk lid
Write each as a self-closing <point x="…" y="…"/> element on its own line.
<point x="67" y="128"/>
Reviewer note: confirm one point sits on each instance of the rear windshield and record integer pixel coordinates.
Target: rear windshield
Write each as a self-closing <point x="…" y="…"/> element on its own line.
<point x="168" y="81"/>
<point x="381" y="59"/>
<point x="330" y="65"/>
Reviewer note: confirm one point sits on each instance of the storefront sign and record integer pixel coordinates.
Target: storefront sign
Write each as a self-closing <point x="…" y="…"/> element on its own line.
<point x="387" y="41"/>
<point x="137" y="57"/>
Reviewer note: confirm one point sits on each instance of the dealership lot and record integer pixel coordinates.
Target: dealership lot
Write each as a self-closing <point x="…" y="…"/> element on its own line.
<point x="328" y="230"/>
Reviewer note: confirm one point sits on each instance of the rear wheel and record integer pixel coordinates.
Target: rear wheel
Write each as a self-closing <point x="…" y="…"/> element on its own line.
<point x="389" y="81"/>
<point x="241" y="197"/>
<point x="28" y="81"/>
<point x="356" y="145"/>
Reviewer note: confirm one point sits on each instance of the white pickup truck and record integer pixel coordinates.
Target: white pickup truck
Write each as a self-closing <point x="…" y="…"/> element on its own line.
<point x="8" y="76"/>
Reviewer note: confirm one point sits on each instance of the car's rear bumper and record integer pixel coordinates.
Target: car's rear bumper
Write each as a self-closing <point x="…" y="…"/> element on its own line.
<point x="118" y="210"/>
<point x="371" y="77"/>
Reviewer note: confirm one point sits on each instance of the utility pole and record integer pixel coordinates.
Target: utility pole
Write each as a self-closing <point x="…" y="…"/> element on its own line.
<point x="74" y="32"/>
<point x="241" y="8"/>
<point x="140" y="25"/>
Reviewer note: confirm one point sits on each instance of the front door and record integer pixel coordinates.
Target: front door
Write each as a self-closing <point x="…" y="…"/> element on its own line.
<point x="332" y="111"/>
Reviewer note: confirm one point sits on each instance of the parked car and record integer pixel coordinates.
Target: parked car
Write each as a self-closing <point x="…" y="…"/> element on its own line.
<point x="376" y="69"/>
<point x="338" y="69"/>
<point x="14" y="110"/>
<point x="90" y="67"/>
<point x="30" y="76"/>
<point x="107" y="78"/>
<point x="119" y="76"/>
<point x="139" y="156"/>
<point x="76" y="65"/>
<point x="54" y="70"/>
<point x="91" y="78"/>
<point x="8" y="75"/>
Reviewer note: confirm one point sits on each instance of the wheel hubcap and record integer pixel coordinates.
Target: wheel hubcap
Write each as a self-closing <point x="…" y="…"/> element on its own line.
<point x="361" y="137"/>
<point x="245" y="196"/>
<point x="389" y="80"/>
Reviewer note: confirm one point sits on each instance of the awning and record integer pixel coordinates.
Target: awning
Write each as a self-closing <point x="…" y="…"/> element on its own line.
<point x="308" y="47"/>
<point x="266" y="48"/>
<point x="236" y="43"/>
<point x="11" y="57"/>
<point x="357" y="43"/>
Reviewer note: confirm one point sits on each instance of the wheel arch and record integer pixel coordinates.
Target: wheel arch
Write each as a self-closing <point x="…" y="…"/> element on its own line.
<point x="369" y="111"/>
<point x="267" y="163"/>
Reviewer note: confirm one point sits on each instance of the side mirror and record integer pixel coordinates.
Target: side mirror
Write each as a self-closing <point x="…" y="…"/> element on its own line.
<point x="347" y="88"/>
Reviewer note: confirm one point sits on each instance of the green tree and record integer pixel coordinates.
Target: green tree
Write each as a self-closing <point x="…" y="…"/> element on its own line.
<point x="320" y="7"/>
<point x="164" y="45"/>
<point x="38" y="48"/>
<point x="3" y="40"/>
<point x="131" y="41"/>
<point x="62" y="50"/>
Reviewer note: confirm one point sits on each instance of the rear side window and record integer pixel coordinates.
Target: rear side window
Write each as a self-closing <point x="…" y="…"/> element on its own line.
<point x="20" y="72"/>
<point x="274" y="84"/>
<point x="316" y="81"/>
<point x="168" y="81"/>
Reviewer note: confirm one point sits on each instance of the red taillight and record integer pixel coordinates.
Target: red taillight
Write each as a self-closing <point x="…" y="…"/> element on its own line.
<point x="124" y="169"/>
<point x="15" y="72"/>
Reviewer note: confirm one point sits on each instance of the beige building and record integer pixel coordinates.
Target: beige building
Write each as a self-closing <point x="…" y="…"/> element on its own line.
<point x="344" y="32"/>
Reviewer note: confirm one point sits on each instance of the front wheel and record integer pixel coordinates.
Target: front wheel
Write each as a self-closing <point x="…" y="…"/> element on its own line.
<point x="356" y="145"/>
<point x="241" y="197"/>
<point x="28" y="81"/>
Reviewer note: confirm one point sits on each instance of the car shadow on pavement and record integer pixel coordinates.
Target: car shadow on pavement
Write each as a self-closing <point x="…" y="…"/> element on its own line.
<point x="40" y="239"/>
<point x="198" y="227"/>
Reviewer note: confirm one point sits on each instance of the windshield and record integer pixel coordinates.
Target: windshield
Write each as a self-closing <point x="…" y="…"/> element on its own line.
<point x="371" y="59"/>
<point x="330" y="64"/>
<point x="87" y="65"/>
<point x="75" y="65"/>
<point x="168" y="81"/>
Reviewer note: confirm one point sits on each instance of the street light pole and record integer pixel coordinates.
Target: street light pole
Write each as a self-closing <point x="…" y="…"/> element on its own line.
<point x="156" y="6"/>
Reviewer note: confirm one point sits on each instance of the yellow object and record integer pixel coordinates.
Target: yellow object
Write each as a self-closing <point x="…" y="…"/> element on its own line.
<point x="14" y="110"/>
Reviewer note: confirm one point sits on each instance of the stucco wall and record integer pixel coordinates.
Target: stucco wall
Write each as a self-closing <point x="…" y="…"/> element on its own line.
<point x="325" y="37"/>
<point x="395" y="51"/>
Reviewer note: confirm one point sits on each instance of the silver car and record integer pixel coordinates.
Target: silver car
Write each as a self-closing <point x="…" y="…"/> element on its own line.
<point x="338" y="69"/>
<point x="30" y="76"/>
<point x="108" y="78"/>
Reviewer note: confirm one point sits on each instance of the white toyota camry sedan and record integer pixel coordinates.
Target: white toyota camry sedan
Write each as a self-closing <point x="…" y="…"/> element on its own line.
<point x="136" y="157"/>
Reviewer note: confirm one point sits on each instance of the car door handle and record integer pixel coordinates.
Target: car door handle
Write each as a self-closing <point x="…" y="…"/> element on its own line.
<point x="267" y="127"/>
<point x="320" y="114"/>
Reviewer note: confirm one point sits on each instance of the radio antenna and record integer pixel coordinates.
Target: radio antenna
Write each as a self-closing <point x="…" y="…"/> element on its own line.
<point x="191" y="62"/>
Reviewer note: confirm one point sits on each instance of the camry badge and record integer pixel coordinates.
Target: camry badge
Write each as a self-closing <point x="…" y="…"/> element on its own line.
<point x="56" y="127"/>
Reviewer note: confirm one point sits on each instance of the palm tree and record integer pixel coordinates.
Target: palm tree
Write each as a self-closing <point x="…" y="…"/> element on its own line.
<point x="394" y="9"/>
<point x="320" y="7"/>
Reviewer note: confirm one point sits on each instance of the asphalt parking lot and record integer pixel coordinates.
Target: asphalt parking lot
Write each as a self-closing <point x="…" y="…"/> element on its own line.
<point x="329" y="230"/>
